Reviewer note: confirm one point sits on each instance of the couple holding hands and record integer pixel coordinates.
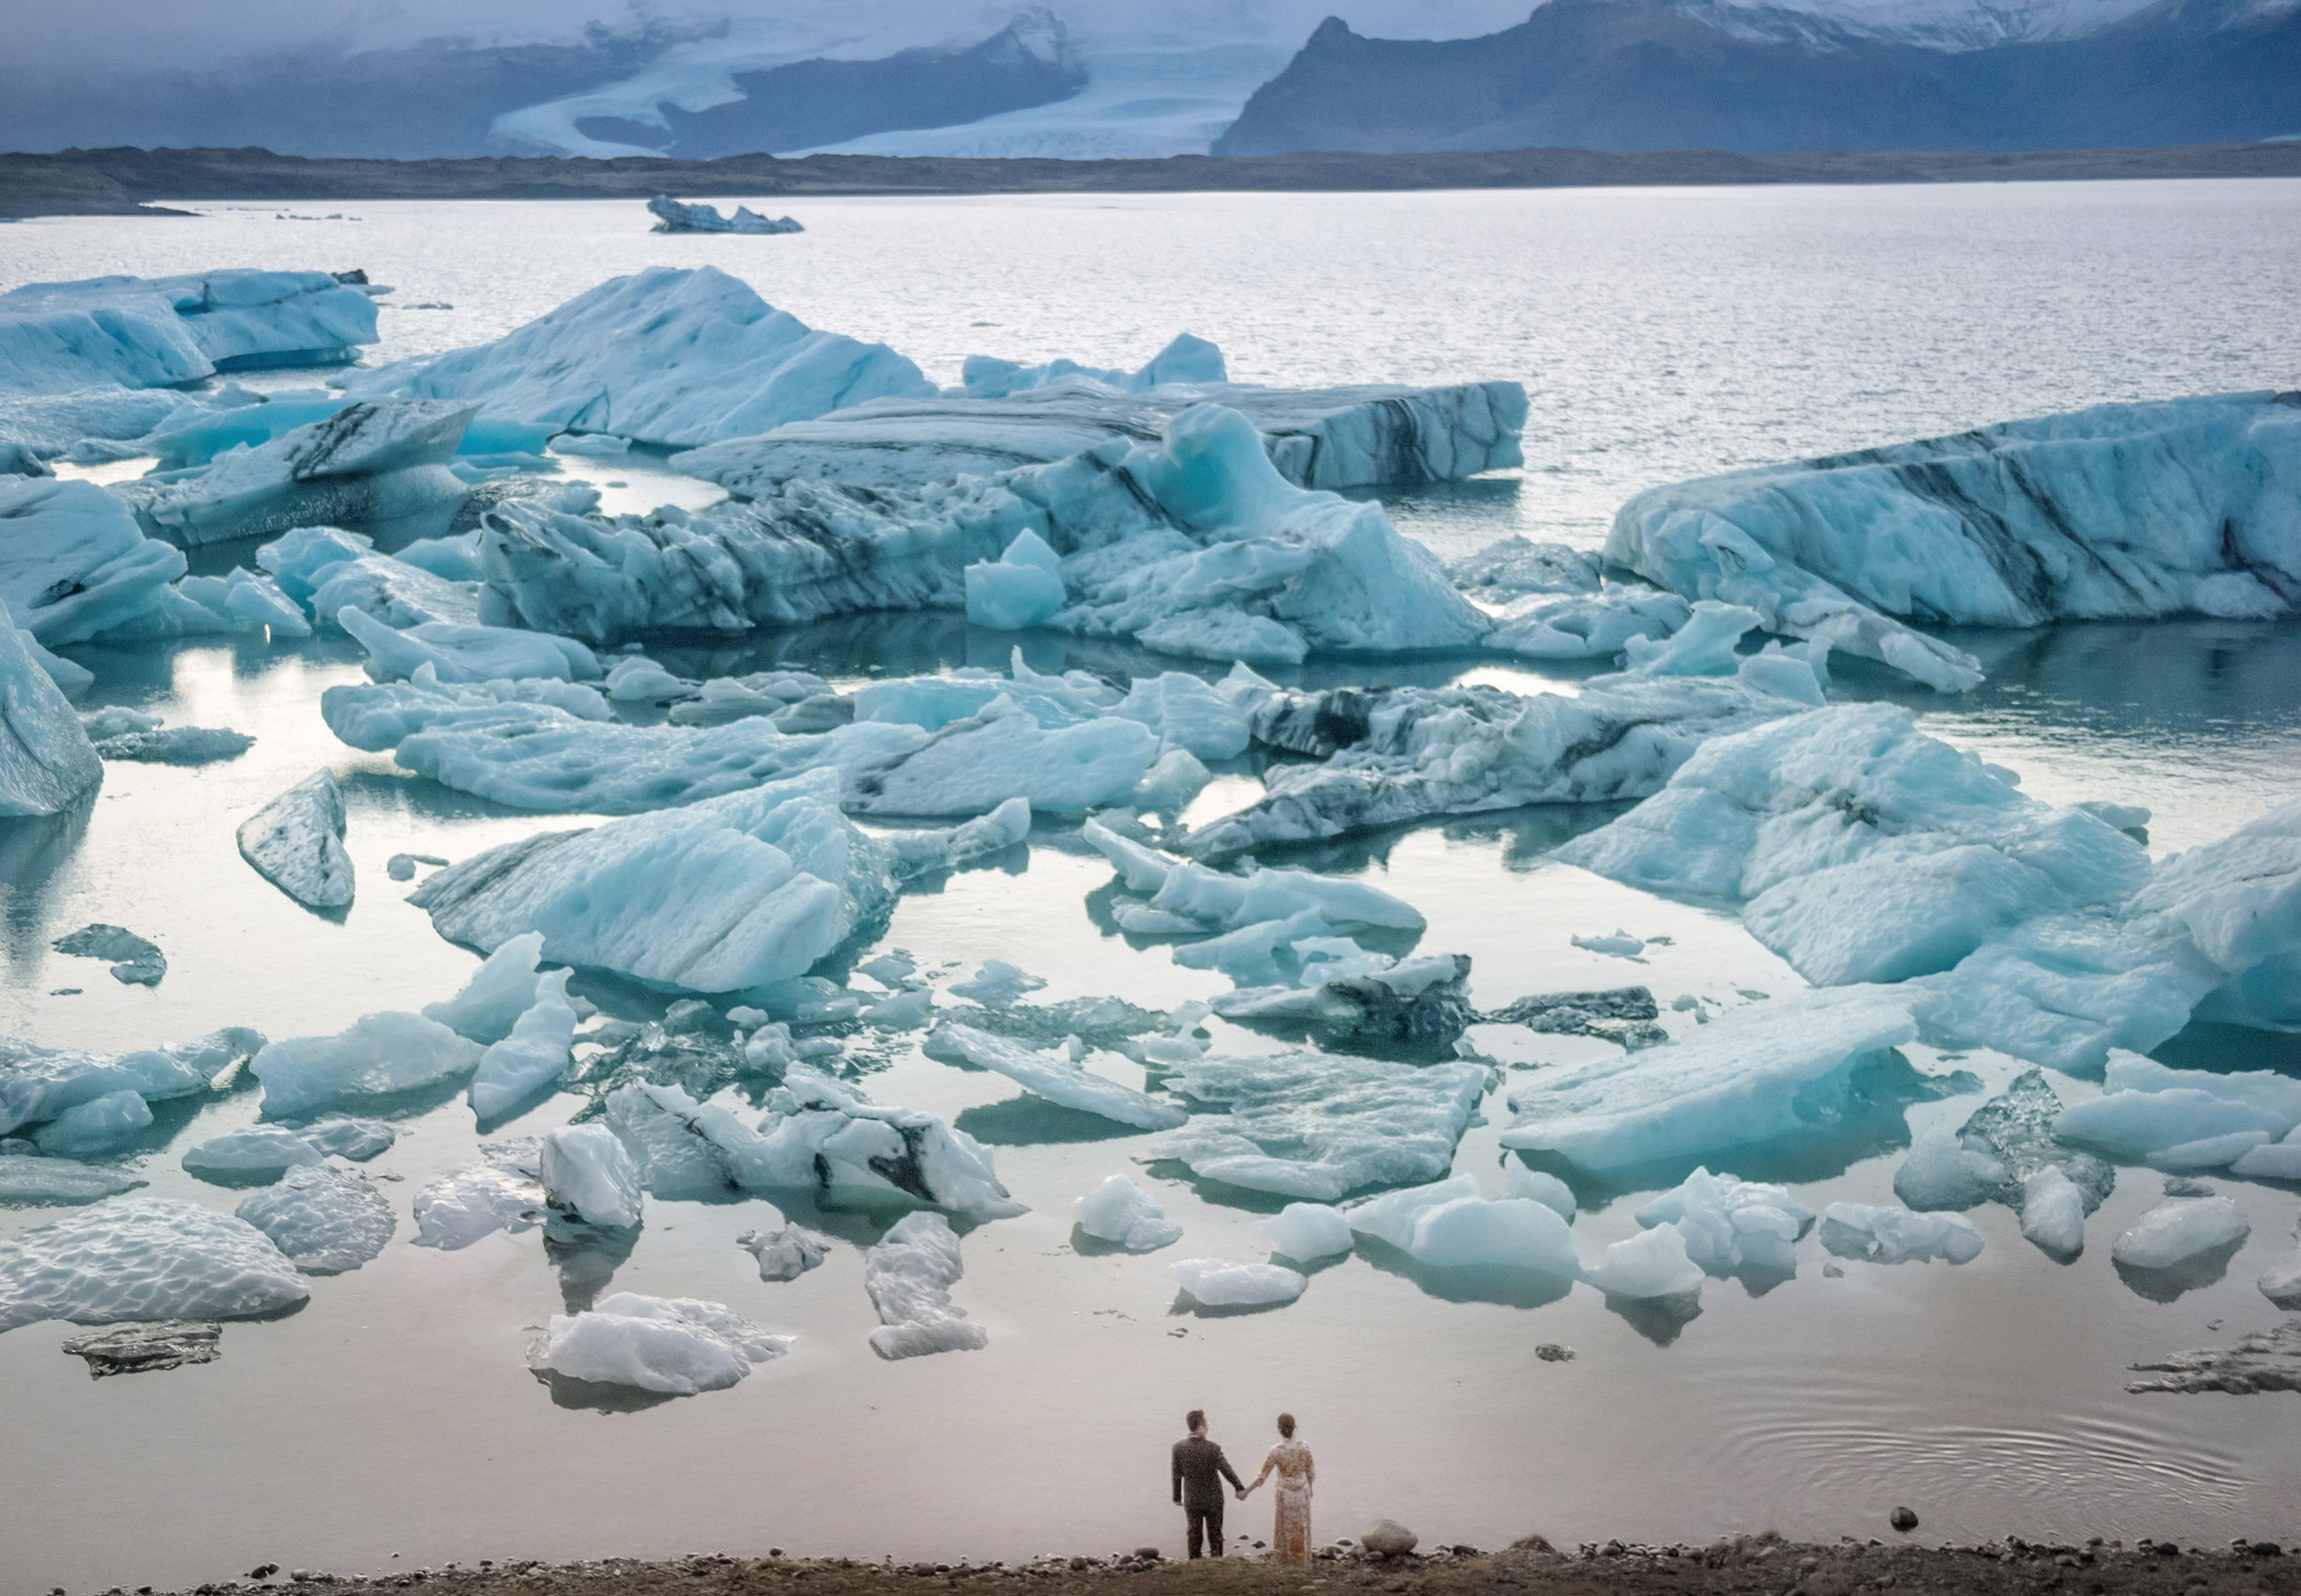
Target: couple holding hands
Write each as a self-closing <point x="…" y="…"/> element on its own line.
<point x="1200" y="1468"/>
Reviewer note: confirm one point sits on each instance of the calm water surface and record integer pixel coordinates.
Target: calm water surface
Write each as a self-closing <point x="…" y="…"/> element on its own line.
<point x="1660" y="334"/>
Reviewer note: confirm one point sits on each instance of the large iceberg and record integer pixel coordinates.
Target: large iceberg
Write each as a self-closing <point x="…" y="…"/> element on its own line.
<point x="674" y="1345"/>
<point x="1336" y="438"/>
<point x="161" y="332"/>
<point x="376" y="467"/>
<point x="1194" y="546"/>
<point x="674" y="217"/>
<point x="2186" y="507"/>
<point x="144" y="1258"/>
<point x="666" y="356"/>
<point x="1770" y="1071"/>
<point x="909" y="1275"/>
<point x="46" y="762"/>
<point x="1318" y="1125"/>
<point x="733" y="893"/>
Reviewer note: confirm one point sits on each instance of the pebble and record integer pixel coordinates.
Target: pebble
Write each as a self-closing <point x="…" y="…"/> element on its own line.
<point x="1902" y="1519"/>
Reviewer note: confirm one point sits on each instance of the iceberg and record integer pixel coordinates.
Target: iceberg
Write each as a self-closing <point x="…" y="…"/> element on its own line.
<point x="1221" y="1283"/>
<point x="673" y="217"/>
<point x="466" y="653"/>
<point x="669" y="355"/>
<point x="1727" y="1223"/>
<point x="326" y="1220"/>
<point x="1651" y="1263"/>
<point x="502" y="991"/>
<point x="357" y="1140"/>
<point x="588" y="1173"/>
<point x="26" y="1181"/>
<point x="1892" y="1236"/>
<point x="909" y="1275"/>
<point x="370" y="467"/>
<point x="684" y="1148"/>
<point x="174" y="746"/>
<point x="1185" y="897"/>
<point x="1333" y="438"/>
<point x="2237" y="903"/>
<point x="2184" y="1118"/>
<point x="1514" y="567"/>
<point x="40" y="1083"/>
<point x="143" y="1259"/>
<point x="162" y="333"/>
<point x="1122" y="1213"/>
<point x="1543" y="1187"/>
<point x="267" y="1151"/>
<point x="296" y="843"/>
<point x="1447" y="1225"/>
<point x="1318" y="1125"/>
<point x="459" y="1210"/>
<point x="733" y="893"/>
<point x="536" y="1053"/>
<point x="1587" y="626"/>
<point x="1945" y="1170"/>
<point x="784" y="1253"/>
<point x="103" y="1123"/>
<point x="1773" y="1070"/>
<point x="380" y="1054"/>
<point x="2178" y="1229"/>
<point x="677" y="1345"/>
<point x="75" y="565"/>
<point x="1054" y="1076"/>
<point x="821" y="1134"/>
<point x="1307" y="1232"/>
<point x="1185" y="360"/>
<point x="1194" y="546"/>
<point x="1421" y="1002"/>
<point x="996" y="983"/>
<point x="2053" y="1213"/>
<point x="46" y="762"/>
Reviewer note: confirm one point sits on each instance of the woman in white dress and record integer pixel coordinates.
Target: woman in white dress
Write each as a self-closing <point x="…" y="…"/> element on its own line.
<point x="1291" y="1529"/>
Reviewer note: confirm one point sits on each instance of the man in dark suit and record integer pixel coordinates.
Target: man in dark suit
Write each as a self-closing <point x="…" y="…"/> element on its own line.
<point x="1200" y="1470"/>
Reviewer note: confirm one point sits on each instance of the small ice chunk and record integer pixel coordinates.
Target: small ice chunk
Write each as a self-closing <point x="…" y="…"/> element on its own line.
<point x="1895" y="1235"/>
<point x="382" y="1053"/>
<point x="135" y="961"/>
<point x="255" y="1150"/>
<point x="502" y="989"/>
<point x="29" y="1182"/>
<point x="1542" y="1187"/>
<point x="1219" y="1283"/>
<point x="1307" y="1232"/>
<point x="1621" y="945"/>
<point x="997" y="984"/>
<point x="176" y="746"/>
<point x="1943" y="1172"/>
<point x="101" y="1125"/>
<point x="636" y="679"/>
<point x="1651" y="1263"/>
<point x="2179" y="1229"/>
<point x="677" y="1345"/>
<point x="588" y="1173"/>
<point x="909" y="1275"/>
<point x="2281" y="1282"/>
<point x="1023" y="588"/>
<point x="296" y="842"/>
<point x="1119" y="1210"/>
<point x="820" y="1133"/>
<point x="460" y="1209"/>
<point x="1054" y="1076"/>
<point x="903" y="1011"/>
<point x="144" y="1258"/>
<point x="326" y="1220"/>
<point x="534" y="1054"/>
<point x="357" y="1140"/>
<point x="2275" y="1161"/>
<point x="2210" y="1151"/>
<point x="2123" y="817"/>
<point x="1471" y="1232"/>
<point x="1730" y="1223"/>
<point x="784" y="1253"/>
<point x="2053" y="1213"/>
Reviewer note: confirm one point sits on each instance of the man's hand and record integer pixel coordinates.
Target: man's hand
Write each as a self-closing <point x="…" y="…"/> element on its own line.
<point x="1241" y="1493"/>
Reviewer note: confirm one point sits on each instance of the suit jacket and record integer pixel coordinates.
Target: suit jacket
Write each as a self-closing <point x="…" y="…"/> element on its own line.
<point x="1200" y="1470"/>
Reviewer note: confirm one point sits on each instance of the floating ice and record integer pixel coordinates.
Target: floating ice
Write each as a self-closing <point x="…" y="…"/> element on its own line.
<point x="2147" y="1111"/>
<point x="29" y="1182"/>
<point x="1339" y="437"/>
<point x="1768" y="1070"/>
<point x="666" y="356"/>
<point x="684" y="1148"/>
<point x="1449" y="1226"/>
<point x="1621" y="945"/>
<point x="1545" y="1188"/>
<point x="1624" y="1014"/>
<point x="909" y="1275"/>
<point x="144" y="1258"/>
<point x="75" y="565"/>
<point x="2053" y="1212"/>
<point x="1944" y="1171"/>
<point x="391" y="591"/>
<point x="357" y="1140"/>
<point x="534" y="1054"/>
<point x="37" y="1083"/>
<point x="820" y="1133"/>
<point x="1119" y="1210"/>
<point x="1194" y="546"/>
<point x="733" y="892"/>
<point x="996" y="983"/>
<point x="1891" y="1235"/>
<point x="376" y="467"/>
<point x="636" y="679"/>
<point x="466" y="653"/>
<point x="1316" y="1126"/>
<point x="2178" y="1230"/>
<point x="1397" y="754"/>
<point x="45" y="761"/>
<point x="1054" y="1076"/>
<point x="265" y="1150"/>
<point x="1185" y="360"/>
<point x="2281" y="1160"/>
<point x="1515" y="566"/>
<point x="1023" y="587"/>
<point x="501" y="990"/>
<point x="1186" y="896"/>
<point x="1416" y="1001"/>
<point x="326" y="1220"/>
<point x="784" y="1253"/>
<point x="2237" y="902"/>
<point x="459" y="1210"/>
<point x="257" y="421"/>
<point x="381" y="1053"/>
<point x="2281" y="1282"/>
<point x="2128" y="510"/>
<point x="1651" y="1263"/>
<point x="1307" y="1232"/>
<point x="101" y="1125"/>
<point x="677" y="1345"/>
<point x="161" y="332"/>
<point x="1219" y="1283"/>
<point x="175" y="745"/>
<point x="588" y="1173"/>
<point x="296" y="843"/>
<point x="971" y="767"/>
<point x="674" y="217"/>
<point x="1730" y="1223"/>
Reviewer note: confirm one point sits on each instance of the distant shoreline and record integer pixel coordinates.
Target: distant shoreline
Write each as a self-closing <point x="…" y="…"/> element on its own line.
<point x="127" y="181"/>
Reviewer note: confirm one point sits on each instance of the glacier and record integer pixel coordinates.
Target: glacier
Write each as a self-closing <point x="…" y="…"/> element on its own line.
<point x="1337" y="437"/>
<point x="909" y="1274"/>
<point x="667" y="356"/>
<point x="674" y="217"/>
<point x="296" y="843"/>
<point x="144" y="1258"/>
<point x="728" y="894"/>
<point x="678" y="1346"/>
<point x="2178" y="507"/>
<point x="166" y="331"/>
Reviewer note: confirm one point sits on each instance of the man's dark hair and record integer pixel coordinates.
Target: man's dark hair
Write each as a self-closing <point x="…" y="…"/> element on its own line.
<point x="1285" y="1425"/>
<point x="1194" y="1419"/>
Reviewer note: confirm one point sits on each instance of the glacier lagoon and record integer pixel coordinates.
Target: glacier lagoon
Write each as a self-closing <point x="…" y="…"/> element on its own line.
<point x="1660" y="335"/>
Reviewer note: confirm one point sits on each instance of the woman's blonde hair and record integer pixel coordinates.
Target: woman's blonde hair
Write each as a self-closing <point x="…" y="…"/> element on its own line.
<point x="1285" y="1425"/>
